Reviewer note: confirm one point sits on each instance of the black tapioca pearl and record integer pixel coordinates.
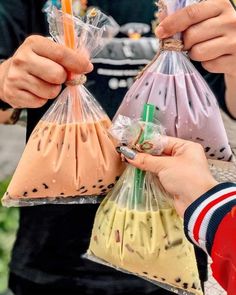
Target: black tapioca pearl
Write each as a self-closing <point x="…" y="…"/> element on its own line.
<point x="145" y="273"/>
<point x="200" y="139"/>
<point x="45" y="186"/>
<point x="117" y="178"/>
<point x="111" y="185"/>
<point x="136" y="96"/>
<point x="34" y="190"/>
<point x="155" y="277"/>
<point x="25" y="194"/>
<point x="82" y="188"/>
<point x="104" y="190"/>
<point x="147" y="83"/>
<point x="194" y="286"/>
<point x="220" y="158"/>
<point x="100" y="180"/>
<point x="163" y="279"/>
<point x="207" y="149"/>
<point x="84" y="192"/>
<point x="185" y="285"/>
<point x="223" y="149"/>
<point x="62" y="194"/>
<point x="94" y="186"/>
<point x="212" y="155"/>
<point x="178" y="280"/>
<point x="157" y="109"/>
<point x="101" y="186"/>
<point x="230" y="158"/>
<point x="39" y="146"/>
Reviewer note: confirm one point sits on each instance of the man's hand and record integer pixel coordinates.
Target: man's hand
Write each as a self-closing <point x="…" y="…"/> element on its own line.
<point x="35" y="73"/>
<point x="209" y="29"/>
<point x="183" y="170"/>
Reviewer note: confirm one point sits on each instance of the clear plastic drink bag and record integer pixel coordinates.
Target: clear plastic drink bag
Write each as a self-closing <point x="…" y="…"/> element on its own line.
<point x="70" y="157"/>
<point x="136" y="228"/>
<point x="186" y="106"/>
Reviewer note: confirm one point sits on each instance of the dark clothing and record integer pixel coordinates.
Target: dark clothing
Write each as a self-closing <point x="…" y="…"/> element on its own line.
<point x="52" y="238"/>
<point x="21" y="286"/>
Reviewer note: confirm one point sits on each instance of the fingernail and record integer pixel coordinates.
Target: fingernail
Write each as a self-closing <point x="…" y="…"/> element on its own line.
<point x="128" y="153"/>
<point x="160" y="32"/>
<point x="118" y="150"/>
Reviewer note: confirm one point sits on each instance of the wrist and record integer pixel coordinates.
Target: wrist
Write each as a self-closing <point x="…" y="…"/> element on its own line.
<point x="198" y="188"/>
<point x="4" y="66"/>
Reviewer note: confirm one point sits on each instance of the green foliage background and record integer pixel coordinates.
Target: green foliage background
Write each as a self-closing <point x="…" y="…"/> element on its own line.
<point x="8" y="227"/>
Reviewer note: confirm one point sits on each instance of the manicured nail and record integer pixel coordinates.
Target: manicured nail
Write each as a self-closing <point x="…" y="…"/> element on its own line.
<point x="118" y="149"/>
<point x="128" y="153"/>
<point x="160" y="32"/>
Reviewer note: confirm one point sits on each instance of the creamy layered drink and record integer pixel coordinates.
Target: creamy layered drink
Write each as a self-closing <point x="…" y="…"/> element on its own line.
<point x="66" y="160"/>
<point x="145" y="238"/>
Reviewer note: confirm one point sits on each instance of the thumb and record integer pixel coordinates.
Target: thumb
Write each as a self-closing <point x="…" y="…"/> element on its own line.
<point x="145" y="162"/>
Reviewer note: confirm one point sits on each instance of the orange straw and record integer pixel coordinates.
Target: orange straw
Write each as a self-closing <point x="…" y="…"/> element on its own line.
<point x="69" y="26"/>
<point x="68" y="23"/>
<point x="69" y="37"/>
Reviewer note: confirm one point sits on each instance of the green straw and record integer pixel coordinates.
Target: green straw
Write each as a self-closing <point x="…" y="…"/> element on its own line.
<point x="147" y="117"/>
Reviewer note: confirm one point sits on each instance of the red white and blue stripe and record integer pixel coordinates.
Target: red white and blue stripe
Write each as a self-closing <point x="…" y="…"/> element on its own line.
<point x="202" y="218"/>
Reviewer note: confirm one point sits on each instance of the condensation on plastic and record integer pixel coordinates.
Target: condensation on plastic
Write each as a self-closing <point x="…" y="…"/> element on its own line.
<point x="186" y="106"/>
<point x="137" y="230"/>
<point x="70" y="156"/>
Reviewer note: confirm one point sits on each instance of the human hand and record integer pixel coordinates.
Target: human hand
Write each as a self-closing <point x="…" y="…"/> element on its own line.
<point x="35" y="73"/>
<point x="182" y="170"/>
<point x="209" y="33"/>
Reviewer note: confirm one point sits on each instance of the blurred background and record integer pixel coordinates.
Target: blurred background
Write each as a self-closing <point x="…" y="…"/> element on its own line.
<point x="12" y="139"/>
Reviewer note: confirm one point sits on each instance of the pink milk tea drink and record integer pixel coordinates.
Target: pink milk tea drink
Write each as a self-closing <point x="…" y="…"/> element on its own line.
<point x="69" y="158"/>
<point x="186" y="106"/>
<point x="66" y="160"/>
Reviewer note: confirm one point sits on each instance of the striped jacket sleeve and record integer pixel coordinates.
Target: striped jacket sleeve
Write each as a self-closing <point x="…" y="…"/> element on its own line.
<point x="210" y="222"/>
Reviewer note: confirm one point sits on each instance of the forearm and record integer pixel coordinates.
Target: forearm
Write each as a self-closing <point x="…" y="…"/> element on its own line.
<point x="230" y="95"/>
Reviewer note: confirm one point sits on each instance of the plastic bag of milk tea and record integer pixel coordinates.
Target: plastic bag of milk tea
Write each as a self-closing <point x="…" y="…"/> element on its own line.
<point x="70" y="156"/>
<point x="136" y="228"/>
<point x="186" y="106"/>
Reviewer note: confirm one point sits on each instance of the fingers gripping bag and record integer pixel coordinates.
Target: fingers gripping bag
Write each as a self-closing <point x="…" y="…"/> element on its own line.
<point x="186" y="106"/>
<point x="136" y="228"/>
<point x="70" y="157"/>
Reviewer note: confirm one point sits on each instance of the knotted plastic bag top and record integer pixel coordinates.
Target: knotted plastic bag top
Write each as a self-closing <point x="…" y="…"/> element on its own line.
<point x="136" y="228"/>
<point x="70" y="157"/>
<point x="186" y="106"/>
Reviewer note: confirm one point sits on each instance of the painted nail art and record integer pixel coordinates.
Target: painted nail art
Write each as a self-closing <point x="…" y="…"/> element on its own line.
<point x="128" y="153"/>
